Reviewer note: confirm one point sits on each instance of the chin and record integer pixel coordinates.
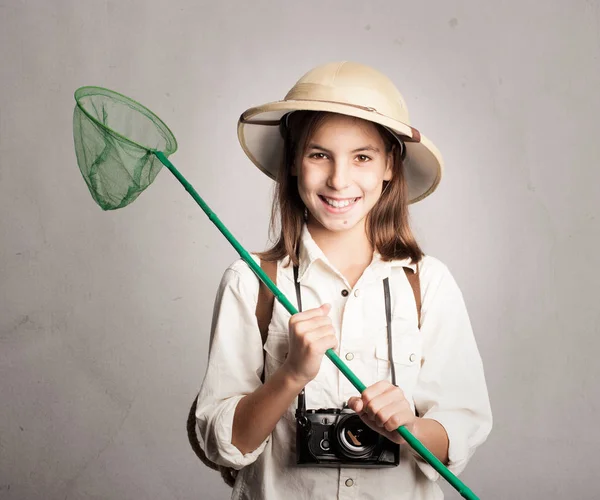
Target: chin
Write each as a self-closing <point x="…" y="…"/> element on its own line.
<point x="338" y="226"/>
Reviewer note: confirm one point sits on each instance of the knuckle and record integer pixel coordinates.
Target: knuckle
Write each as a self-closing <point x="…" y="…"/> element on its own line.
<point x="300" y="329"/>
<point x="395" y="422"/>
<point x="312" y="348"/>
<point x="399" y="391"/>
<point x="372" y="409"/>
<point x="305" y="342"/>
<point x="391" y="425"/>
<point x="383" y="384"/>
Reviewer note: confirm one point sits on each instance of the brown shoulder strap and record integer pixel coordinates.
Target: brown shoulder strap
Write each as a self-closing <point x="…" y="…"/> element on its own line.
<point x="266" y="299"/>
<point x="415" y="283"/>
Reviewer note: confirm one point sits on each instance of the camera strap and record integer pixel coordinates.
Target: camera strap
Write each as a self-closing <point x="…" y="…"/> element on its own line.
<point x="301" y="397"/>
<point x="388" y="319"/>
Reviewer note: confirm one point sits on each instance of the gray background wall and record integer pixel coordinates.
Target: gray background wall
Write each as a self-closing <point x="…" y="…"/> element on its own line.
<point x="104" y="317"/>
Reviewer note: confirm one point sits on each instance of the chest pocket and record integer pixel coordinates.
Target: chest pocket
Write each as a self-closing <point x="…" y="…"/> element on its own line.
<point x="276" y="351"/>
<point x="407" y="350"/>
<point x="407" y="344"/>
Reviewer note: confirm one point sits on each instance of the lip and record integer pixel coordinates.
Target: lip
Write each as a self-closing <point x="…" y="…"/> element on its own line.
<point x="338" y="199"/>
<point x="341" y="210"/>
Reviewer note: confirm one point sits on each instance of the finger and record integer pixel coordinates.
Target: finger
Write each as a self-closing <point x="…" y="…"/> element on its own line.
<point x="393" y="436"/>
<point x="398" y="419"/>
<point x="303" y="327"/>
<point x="390" y="416"/>
<point x="355" y="404"/>
<point x="391" y="397"/>
<point x="318" y="333"/>
<point x="323" y="344"/>
<point x="393" y="415"/>
<point x="311" y="313"/>
<point x="376" y="389"/>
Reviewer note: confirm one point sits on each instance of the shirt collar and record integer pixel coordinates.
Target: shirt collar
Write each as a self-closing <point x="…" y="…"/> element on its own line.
<point x="382" y="269"/>
<point x="310" y="253"/>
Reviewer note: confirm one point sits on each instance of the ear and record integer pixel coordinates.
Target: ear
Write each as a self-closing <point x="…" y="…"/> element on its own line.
<point x="389" y="165"/>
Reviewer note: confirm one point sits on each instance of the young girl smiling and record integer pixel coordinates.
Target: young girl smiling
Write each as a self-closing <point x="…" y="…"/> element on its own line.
<point x="347" y="164"/>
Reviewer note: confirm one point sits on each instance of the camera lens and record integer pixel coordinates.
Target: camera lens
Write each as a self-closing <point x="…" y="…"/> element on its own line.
<point x="355" y="438"/>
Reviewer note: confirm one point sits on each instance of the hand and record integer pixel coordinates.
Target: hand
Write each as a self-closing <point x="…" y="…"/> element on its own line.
<point x="383" y="407"/>
<point x="311" y="334"/>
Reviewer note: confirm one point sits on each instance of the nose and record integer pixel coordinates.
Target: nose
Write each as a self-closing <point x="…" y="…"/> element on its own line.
<point x="339" y="175"/>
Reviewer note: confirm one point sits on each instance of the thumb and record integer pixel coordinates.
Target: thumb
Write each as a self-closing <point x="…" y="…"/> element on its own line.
<point x="326" y="308"/>
<point x="355" y="404"/>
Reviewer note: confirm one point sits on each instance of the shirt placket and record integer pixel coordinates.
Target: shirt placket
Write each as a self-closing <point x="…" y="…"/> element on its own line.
<point x="349" y="482"/>
<point x="350" y="333"/>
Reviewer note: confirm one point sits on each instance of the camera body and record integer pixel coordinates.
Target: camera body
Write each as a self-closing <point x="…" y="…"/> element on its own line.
<point x="333" y="437"/>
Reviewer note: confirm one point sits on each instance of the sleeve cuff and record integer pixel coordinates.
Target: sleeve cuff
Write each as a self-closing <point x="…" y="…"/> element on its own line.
<point x="458" y="450"/>
<point x="218" y="446"/>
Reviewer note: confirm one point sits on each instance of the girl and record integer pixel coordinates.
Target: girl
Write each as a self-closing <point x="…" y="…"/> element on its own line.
<point x="347" y="164"/>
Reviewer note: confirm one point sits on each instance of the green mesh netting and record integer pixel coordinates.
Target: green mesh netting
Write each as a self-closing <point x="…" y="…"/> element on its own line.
<point x="114" y="140"/>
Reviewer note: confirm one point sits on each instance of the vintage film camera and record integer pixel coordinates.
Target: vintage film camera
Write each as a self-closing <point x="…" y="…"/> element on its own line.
<point x="334" y="437"/>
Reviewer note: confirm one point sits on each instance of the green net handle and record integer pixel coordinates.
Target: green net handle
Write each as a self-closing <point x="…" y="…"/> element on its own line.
<point x="429" y="457"/>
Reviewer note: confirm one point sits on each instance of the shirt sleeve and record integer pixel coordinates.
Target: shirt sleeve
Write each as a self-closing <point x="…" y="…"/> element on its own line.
<point x="451" y="388"/>
<point x="235" y="365"/>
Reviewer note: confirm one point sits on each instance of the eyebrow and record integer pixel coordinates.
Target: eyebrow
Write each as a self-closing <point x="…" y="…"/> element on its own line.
<point x="364" y="148"/>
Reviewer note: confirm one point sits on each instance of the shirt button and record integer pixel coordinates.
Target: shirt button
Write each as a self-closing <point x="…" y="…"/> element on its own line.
<point x="345" y="292"/>
<point x="412" y="357"/>
<point x="356" y="292"/>
<point x="349" y="356"/>
<point x="349" y="482"/>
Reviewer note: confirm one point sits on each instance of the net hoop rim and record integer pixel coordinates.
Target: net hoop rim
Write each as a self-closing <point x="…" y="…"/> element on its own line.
<point x="90" y="90"/>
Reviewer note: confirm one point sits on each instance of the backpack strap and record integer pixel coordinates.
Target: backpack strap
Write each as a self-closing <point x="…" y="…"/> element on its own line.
<point x="266" y="299"/>
<point x="415" y="283"/>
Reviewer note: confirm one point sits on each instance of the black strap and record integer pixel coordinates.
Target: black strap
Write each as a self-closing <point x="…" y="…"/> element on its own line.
<point x="388" y="319"/>
<point x="301" y="397"/>
<point x="298" y="294"/>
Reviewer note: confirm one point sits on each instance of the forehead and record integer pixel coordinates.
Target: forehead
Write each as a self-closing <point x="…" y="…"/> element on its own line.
<point x="336" y="126"/>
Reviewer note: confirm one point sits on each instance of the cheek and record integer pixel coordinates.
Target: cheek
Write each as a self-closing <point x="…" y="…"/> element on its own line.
<point x="372" y="183"/>
<point x="309" y="178"/>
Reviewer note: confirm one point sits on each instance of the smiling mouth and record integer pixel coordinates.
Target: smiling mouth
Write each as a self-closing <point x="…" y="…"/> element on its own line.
<point x="339" y="203"/>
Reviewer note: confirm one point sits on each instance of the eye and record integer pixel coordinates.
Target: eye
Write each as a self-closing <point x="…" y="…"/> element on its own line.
<point x="363" y="158"/>
<point x="318" y="156"/>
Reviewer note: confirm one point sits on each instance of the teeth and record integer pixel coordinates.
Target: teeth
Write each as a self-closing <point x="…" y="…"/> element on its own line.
<point x="339" y="204"/>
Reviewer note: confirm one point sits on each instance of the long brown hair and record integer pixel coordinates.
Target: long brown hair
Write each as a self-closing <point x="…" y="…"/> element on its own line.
<point x="387" y="224"/>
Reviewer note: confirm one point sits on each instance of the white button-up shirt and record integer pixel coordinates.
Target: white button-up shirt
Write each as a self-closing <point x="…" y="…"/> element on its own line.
<point x="438" y="367"/>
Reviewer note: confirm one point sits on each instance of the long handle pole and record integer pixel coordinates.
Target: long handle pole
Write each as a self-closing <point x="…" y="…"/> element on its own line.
<point x="429" y="457"/>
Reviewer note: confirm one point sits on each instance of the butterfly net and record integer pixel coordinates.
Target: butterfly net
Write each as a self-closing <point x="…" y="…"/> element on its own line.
<point x="115" y="139"/>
